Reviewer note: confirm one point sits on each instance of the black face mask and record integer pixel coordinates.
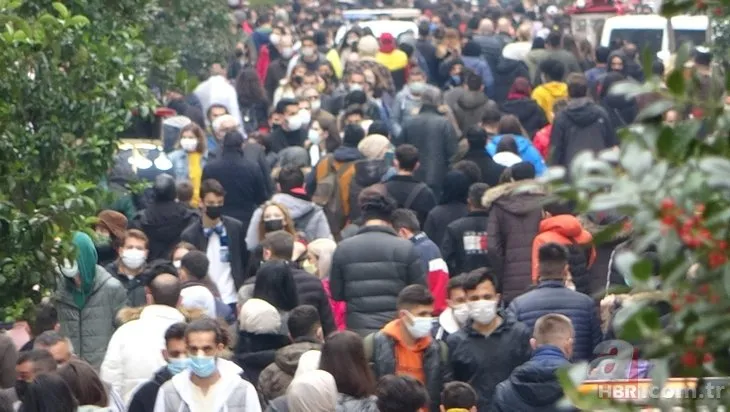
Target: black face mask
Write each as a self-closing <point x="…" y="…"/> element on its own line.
<point x="21" y="387"/>
<point x="214" y="212"/>
<point x="239" y="52"/>
<point x="273" y="225"/>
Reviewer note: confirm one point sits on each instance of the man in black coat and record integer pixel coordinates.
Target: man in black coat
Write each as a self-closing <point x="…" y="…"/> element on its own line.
<point x="222" y="239"/>
<point x="164" y="220"/>
<point x="492" y="344"/>
<point x="407" y="191"/>
<point x="175" y="354"/>
<point x="435" y="138"/>
<point x="552" y="296"/>
<point x="370" y="269"/>
<point x="477" y="138"/>
<point x="464" y="245"/>
<point x="243" y="181"/>
<point x="583" y="125"/>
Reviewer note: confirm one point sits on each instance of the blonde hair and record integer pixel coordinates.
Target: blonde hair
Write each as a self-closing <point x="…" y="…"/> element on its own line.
<point x="288" y="220"/>
<point x="323" y="249"/>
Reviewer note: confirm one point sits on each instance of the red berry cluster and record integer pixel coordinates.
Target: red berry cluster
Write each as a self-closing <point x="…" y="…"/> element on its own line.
<point x="691" y="358"/>
<point x="692" y="231"/>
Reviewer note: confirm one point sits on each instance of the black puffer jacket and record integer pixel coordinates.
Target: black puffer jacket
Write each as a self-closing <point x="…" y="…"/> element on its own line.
<point x="505" y="73"/>
<point x="368" y="272"/>
<point x="514" y="221"/>
<point x="531" y="115"/>
<point x="464" y="245"/>
<point x="163" y="223"/>
<point x="534" y="386"/>
<point x="485" y="361"/>
<point x="583" y="125"/>
<point x="438" y="373"/>
<point x="436" y="140"/>
<point x="145" y="397"/>
<point x="452" y="207"/>
<point x="311" y="292"/>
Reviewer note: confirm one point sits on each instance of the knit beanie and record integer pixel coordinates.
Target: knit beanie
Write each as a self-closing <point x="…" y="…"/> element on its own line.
<point x="374" y="146"/>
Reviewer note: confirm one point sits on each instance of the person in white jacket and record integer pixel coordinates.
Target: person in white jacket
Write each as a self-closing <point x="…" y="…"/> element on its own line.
<point x="134" y="353"/>
<point x="211" y="384"/>
<point x="218" y="90"/>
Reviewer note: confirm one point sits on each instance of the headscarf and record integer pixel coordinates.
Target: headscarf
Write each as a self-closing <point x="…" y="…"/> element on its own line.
<point x="315" y="391"/>
<point x="86" y="259"/>
<point x="520" y="89"/>
<point x="374" y="147"/>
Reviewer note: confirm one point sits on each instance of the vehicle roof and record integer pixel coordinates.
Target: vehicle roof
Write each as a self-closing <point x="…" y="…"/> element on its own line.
<point x="395" y="14"/>
<point x="654" y="21"/>
<point x="394" y="27"/>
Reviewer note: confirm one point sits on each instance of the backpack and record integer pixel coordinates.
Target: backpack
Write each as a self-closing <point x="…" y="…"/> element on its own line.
<point x="369" y="345"/>
<point x="332" y="191"/>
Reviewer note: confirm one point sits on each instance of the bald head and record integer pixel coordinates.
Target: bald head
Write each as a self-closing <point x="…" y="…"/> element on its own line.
<point x="486" y="26"/>
<point x="165" y="290"/>
<point x="504" y="25"/>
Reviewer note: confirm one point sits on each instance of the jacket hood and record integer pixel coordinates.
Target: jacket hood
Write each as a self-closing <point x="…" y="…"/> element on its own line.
<point x="567" y="226"/>
<point x="506" y="66"/>
<point x="518" y="198"/>
<point x="583" y="112"/>
<point x="536" y="382"/>
<point x="472" y="100"/>
<point x="395" y="331"/>
<point x="287" y="358"/>
<point x="524" y="108"/>
<point x="347" y="403"/>
<point x="165" y="219"/>
<point x="558" y="90"/>
<point x="127" y="314"/>
<point x="506" y="159"/>
<point x="86" y="258"/>
<point x="297" y="207"/>
<point x="617" y="53"/>
<point x="346" y="154"/>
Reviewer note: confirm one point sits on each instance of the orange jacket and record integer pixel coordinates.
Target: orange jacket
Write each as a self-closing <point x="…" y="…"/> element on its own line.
<point x="564" y="230"/>
<point x="409" y="359"/>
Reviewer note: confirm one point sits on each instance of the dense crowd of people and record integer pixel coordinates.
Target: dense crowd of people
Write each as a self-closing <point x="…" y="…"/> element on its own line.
<point x="351" y="227"/>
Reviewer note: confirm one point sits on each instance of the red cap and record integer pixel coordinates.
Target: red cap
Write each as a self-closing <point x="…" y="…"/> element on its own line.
<point x="387" y="38"/>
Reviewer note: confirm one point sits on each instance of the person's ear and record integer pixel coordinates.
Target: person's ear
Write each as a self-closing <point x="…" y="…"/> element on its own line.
<point x="418" y="165"/>
<point x="267" y="254"/>
<point x="473" y="409"/>
<point x="533" y="343"/>
<point x="396" y="163"/>
<point x="319" y="334"/>
<point x="221" y="347"/>
<point x="165" y="355"/>
<point x="57" y="327"/>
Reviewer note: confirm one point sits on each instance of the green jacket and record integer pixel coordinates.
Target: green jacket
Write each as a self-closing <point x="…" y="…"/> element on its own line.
<point x="91" y="327"/>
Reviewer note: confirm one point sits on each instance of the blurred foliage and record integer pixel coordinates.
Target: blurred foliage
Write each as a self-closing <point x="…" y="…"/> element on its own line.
<point x="70" y="81"/>
<point x="263" y="4"/>
<point x="194" y="34"/>
<point x="674" y="182"/>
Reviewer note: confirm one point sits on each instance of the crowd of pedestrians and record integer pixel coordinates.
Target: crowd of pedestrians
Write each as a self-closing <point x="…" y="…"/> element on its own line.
<point x="350" y="227"/>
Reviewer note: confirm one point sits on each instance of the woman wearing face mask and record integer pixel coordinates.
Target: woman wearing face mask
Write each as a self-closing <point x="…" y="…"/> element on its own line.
<point x="270" y="217"/>
<point x="349" y="45"/>
<point x="188" y="161"/>
<point x="320" y="142"/>
<point x="288" y="87"/>
<point x="318" y="263"/>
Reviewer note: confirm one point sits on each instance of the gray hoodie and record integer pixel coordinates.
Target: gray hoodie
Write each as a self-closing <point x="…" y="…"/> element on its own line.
<point x="405" y="106"/>
<point x="308" y="218"/>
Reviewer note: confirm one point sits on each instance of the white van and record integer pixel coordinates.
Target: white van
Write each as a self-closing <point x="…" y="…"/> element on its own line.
<point x="651" y="31"/>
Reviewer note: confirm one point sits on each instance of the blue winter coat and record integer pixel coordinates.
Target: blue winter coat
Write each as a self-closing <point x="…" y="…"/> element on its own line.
<point x="533" y="386"/>
<point x="528" y="152"/>
<point x="553" y="297"/>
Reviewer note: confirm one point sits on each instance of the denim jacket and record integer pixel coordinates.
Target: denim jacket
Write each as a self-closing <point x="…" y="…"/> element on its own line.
<point x="179" y="159"/>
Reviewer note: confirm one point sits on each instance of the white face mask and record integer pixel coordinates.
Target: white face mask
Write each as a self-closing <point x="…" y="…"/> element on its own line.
<point x="483" y="311"/>
<point x="287" y="52"/>
<point x="177" y="264"/>
<point x="355" y="87"/>
<point x="294" y="122"/>
<point x="133" y="258"/>
<point x="189" y="144"/>
<point x="68" y="269"/>
<point x="307" y="51"/>
<point x="306" y="116"/>
<point x="313" y="136"/>
<point x="461" y="313"/>
<point x="274" y="38"/>
<point x="420" y="327"/>
<point x="316" y="104"/>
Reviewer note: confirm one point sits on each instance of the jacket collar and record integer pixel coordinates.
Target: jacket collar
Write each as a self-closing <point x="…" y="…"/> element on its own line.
<point x="550" y="284"/>
<point x="507" y="321"/>
<point x="381" y="229"/>
<point x="161" y="312"/>
<point x="478" y="213"/>
<point x="548" y="351"/>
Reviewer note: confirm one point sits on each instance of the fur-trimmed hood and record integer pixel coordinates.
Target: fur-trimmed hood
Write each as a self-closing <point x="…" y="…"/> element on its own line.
<point x="516" y="197"/>
<point x="128" y="314"/>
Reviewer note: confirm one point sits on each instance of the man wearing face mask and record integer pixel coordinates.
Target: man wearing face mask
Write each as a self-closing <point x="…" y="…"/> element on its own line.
<point x="534" y="386"/>
<point x="405" y="347"/>
<point x="222" y="238"/>
<point x="135" y="349"/>
<point x="87" y="299"/>
<point x="491" y="344"/>
<point x="176" y="356"/>
<point x="210" y="383"/>
<point x="291" y="131"/>
<point x="130" y="265"/>
<point x="308" y="55"/>
<point x="457" y="313"/>
<point x="553" y="296"/>
<point x="29" y="365"/>
<point x="407" y="102"/>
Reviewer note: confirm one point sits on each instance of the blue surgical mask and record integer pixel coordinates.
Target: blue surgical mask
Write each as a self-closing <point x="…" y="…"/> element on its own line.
<point x="202" y="366"/>
<point x="178" y="365"/>
<point x="456" y="79"/>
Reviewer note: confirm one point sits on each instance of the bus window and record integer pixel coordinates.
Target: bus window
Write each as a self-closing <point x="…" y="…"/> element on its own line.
<point x="642" y="38"/>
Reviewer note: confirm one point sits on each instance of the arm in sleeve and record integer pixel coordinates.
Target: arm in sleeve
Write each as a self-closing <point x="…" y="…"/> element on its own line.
<point x="266" y="171"/>
<point x="533" y="154"/>
<point x="8" y="359"/>
<point x="396" y="115"/>
<point x="557" y="145"/>
<point x="322" y="226"/>
<point x="494" y="240"/>
<point x="488" y="80"/>
<point x="325" y="312"/>
<point x="424" y="203"/>
<point x="252" y="233"/>
<point x="451" y="141"/>
<point x="118" y="301"/>
<point x="416" y="274"/>
<point x="337" y="281"/>
<point x="112" y="367"/>
<point x="448" y="250"/>
<point x="610" y="132"/>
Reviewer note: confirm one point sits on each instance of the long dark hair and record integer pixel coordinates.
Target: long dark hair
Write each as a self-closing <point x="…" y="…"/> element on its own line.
<point x="249" y="88"/>
<point x="84" y="383"/>
<point x="275" y="284"/>
<point x="343" y="356"/>
<point x="49" y="392"/>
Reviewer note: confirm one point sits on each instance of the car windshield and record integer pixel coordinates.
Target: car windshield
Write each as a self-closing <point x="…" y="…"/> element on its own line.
<point x="642" y="38"/>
